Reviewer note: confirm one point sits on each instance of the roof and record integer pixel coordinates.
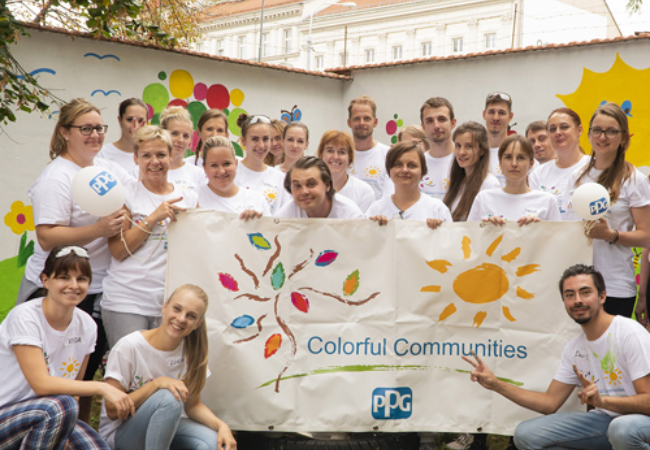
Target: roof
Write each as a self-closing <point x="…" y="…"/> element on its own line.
<point x="186" y="52"/>
<point x="350" y="69"/>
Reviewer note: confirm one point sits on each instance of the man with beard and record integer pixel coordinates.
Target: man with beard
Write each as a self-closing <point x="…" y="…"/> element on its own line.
<point x="369" y="156"/>
<point x="609" y="362"/>
<point x="497" y="115"/>
<point x="438" y="121"/>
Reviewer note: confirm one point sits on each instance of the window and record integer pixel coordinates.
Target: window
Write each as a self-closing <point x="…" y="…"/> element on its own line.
<point x="490" y="40"/>
<point x="287" y="41"/>
<point x="370" y="55"/>
<point x="343" y="60"/>
<point x="265" y="44"/>
<point x="426" y="49"/>
<point x="397" y="52"/>
<point x="241" y="47"/>
<point x="320" y="62"/>
<point x="457" y="45"/>
<point x="199" y="46"/>
<point x="220" y="47"/>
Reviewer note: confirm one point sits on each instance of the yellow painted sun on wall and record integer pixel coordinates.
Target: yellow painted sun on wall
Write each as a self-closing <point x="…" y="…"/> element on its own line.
<point x="484" y="283"/>
<point x="625" y="86"/>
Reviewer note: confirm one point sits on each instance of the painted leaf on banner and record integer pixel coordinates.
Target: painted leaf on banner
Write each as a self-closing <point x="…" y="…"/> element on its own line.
<point x="300" y="301"/>
<point x="242" y="321"/>
<point x="272" y="345"/>
<point x="351" y="283"/>
<point x="228" y="282"/>
<point x="278" y="277"/>
<point x="259" y="241"/>
<point x="326" y="258"/>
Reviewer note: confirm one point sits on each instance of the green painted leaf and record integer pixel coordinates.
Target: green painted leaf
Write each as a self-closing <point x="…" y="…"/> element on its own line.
<point x="278" y="276"/>
<point x="351" y="283"/>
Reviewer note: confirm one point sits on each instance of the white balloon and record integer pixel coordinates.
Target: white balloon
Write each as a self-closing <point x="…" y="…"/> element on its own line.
<point x="97" y="191"/>
<point x="590" y="201"/>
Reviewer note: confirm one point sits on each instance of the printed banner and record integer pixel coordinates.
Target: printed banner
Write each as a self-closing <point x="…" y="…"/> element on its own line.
<point x="343" y="325"/>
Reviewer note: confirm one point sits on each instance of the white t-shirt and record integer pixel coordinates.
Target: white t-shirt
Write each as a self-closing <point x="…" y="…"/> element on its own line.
<point x="245" y="199"/>
<point x="137" y="285"/>
<point x="490" y="182"/>
<point x="53" y="204"/>
<point x="133" y="362"/>
<point x="270" y="183"/>
<point x="495" y="168"/>
<point x="548" y="177"/>
<point x="425" y="208"/>
<point x="370" y="166"/>
<point x="615" y="261"/>
<point x="123" y="159"/>
<point x="496" y="202"/>
<point x="359" y="192"/>
<point x="64" y="351"/>
<point x="188" y="176"/>
<point x="613" y="361"/>
<point x="436" y="181"/>
<point x="192" y="161"/>
<point x="342" y="208"/>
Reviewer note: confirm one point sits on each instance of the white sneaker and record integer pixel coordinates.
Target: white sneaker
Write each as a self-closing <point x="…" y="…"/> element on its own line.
<point x="462" y="442"/>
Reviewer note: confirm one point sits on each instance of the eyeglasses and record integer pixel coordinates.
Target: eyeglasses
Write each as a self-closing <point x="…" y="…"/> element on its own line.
<point x="610" y="132"/>
<point x="79" y="251"/>
<point x="257" y="119"/>
<point x="87" y="130"/>
<point x="500" y="95"/>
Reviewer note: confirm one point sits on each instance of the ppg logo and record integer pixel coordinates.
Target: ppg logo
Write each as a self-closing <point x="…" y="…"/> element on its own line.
<point x="598" y="206"/>
<point x="392" y="403"/>
<point x="103" y="183"/>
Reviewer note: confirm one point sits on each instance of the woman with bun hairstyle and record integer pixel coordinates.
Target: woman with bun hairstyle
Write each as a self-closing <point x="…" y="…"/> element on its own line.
<point x="212" y="122"/>
<point x="178" y="123"/>
<point x="163" y="370"/>
<point x="132" y="115"/>
<point x="252" y="173"/>
<point x="627" y="222"/>
<point x="135" y="285"/>
<point x="221" y="193"/>
<point x="276" y="151"/>
<point x="469" y="173"/>
<point x="45" y="345"/>
<point x="296" y="141"/>
<point x="337" y="150"/>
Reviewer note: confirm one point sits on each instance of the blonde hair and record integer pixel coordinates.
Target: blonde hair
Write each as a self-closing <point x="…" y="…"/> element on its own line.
<point x="269" y="159"/>
<point x="70" y="112"/>
<point x="150" y="133"/>
<point x="174" y="113"/>
<point x="217" y="142"/>
<point x="195" y="348"/>
<point x="363" y="100"/>
<point x="416" y="132"/>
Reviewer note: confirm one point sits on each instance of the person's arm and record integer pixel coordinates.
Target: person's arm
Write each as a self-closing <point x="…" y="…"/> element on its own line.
<point x="542" y="402"/>
<point x="200" y="413"/>
<point x="139" y="396"/>
<point x="634" y="404"/>
<point x="644" y="274"/>
<point x="32" y="364"/>
<point x="49" y="236"/>
<point x="639" y="237"/>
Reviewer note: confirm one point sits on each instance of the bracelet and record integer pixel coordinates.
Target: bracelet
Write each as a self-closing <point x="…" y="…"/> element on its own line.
<point x="151" y="229"/>
<point x="616" y="235"/>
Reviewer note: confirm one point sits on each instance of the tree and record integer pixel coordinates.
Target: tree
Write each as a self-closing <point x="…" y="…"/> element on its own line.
<point x="634" y="5"/>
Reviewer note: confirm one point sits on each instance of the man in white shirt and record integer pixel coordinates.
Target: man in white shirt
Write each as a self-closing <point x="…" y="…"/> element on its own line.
<point x="537" y="135"/>
<point x="497" y="115"/>
<point x="609" y="361"/>
<point x="438" y="121"/>
<point x="369" y="156"/>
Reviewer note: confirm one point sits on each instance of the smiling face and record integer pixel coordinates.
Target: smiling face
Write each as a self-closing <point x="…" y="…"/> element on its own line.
<point x="257" y="141"/>
<point x="581" y="298"/>
<point x="407" y="171"/>
<point x="497" y="117"/>
<point x="182" y="314"/>
<point x="515" y="163"/>
<point x="603" y="146"/>
<point x="134" y="118"/>
<point x="220" y="168"/>
<point x="277" y="144"/>
<point x="66" y="289"/>
<point x="213" y="127"/>
<point x="336" y="157"/>
<point x="563" y="132"/>
<point x="362" y="121"/>
<point x="437" y="124"/>
<point x="181" y="134"/>
<point x="153" y="158"/>
<point x="310" y="192"/>
<point x="295" y="144"/>
<point x="80" y="146"/>
<point x="466" y="151"/>
<point x="541" y="145"/>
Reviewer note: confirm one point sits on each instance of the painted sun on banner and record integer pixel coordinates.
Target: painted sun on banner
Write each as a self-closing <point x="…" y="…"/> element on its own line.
<point x="317" y="325"/>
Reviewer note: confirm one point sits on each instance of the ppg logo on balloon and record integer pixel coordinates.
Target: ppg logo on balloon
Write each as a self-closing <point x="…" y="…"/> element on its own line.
<point x="103" y="183"/>
<point x="392" y="403"/>
<point x="598" y="206"/>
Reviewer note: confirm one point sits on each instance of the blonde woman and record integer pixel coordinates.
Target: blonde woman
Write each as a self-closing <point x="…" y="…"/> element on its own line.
<point x="178" y="123"/>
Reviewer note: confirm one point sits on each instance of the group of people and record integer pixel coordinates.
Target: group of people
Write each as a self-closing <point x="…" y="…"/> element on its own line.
<point x="113" y="268"/>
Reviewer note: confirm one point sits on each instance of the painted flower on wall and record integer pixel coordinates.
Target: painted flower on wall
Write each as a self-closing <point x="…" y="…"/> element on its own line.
<point x="20" y="218"/>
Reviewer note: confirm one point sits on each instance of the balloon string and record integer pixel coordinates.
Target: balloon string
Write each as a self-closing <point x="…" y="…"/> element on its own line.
<point x="146" y="231"/>
<point x="590" y="225"/>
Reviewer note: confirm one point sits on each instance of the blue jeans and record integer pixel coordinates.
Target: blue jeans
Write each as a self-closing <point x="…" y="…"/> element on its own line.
<point x="584" y="431"/>
<point x="158" y="425"/>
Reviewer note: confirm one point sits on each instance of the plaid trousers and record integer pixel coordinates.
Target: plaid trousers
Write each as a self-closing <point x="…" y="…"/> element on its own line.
<point x="46" y="423"/>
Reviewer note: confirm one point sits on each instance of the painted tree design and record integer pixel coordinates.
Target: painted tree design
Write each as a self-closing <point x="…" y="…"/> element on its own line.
<point x="298" y="297"/>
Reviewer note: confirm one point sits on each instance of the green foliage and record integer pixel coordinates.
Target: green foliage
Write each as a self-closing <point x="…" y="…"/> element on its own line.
<point x="26" y="250"/>
<point x="634" y="5"/>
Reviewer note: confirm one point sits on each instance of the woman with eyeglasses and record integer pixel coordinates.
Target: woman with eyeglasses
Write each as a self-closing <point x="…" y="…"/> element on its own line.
<point x="134" y="287"/>
<point x="77" y="139"/>
<point x="252" y="173"/>
<point x="406" y="166"/>
<point x="564" y="128"/>
<point x="627" y="222"/>
<point x="132" y="116"/>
